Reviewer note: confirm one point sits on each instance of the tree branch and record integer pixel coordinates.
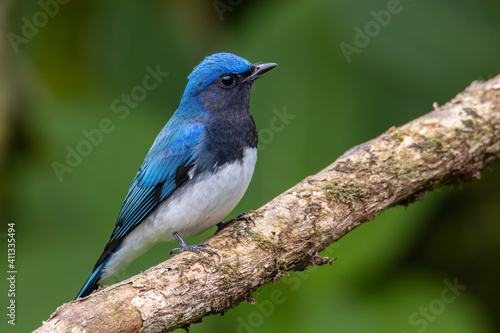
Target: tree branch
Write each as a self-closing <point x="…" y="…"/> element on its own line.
<point x="449" y="145"/>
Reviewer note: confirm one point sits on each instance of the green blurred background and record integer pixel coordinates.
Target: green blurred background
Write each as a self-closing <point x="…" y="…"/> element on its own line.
<point x="392" y="274"/>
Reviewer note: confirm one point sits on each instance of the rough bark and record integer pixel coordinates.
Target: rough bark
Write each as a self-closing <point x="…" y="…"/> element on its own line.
<point x="449" y="145"/>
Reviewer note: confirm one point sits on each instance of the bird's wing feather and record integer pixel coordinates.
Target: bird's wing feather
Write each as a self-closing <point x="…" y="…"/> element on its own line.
<point x="163" y="170"/>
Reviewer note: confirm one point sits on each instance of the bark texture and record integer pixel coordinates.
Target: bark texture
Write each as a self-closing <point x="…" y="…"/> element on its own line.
<point x="449" y="145"/>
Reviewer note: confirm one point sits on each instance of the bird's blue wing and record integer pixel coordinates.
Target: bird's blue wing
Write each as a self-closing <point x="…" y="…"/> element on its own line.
<point x="165" y="168"/>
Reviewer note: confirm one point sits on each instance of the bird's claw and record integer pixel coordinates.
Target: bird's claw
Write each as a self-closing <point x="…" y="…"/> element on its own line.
<point x="221" y="225"/>
<point x="192" y="248"/>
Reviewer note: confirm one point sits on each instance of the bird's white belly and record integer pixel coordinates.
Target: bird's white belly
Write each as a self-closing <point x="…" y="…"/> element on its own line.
<point x="192" y="209"/>
<point x="204" y="203"/>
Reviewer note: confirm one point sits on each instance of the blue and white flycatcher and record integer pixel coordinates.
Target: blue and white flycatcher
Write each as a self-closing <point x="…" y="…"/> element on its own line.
<point x="197" y="170"/>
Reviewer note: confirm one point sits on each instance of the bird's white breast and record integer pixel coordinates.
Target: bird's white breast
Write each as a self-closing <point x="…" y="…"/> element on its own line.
<point x="191" y="209"/>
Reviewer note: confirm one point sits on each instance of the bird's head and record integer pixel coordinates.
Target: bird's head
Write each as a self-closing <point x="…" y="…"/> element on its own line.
<point x="222" y="80"/>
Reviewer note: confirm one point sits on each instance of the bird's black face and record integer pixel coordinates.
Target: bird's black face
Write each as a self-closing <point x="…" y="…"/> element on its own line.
<point x="231" y="91"/>
<point x="228" y="93"/>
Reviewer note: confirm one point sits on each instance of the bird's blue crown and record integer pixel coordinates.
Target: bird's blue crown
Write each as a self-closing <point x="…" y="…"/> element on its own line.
<point x="214" y="66"/>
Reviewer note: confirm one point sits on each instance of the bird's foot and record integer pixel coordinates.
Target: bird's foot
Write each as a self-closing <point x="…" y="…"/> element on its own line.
<point x="221" y="225"/>
<point x="193" y="248"/>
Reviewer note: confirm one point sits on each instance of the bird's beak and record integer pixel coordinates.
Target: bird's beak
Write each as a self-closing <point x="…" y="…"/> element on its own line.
<point x="259" y="69"/>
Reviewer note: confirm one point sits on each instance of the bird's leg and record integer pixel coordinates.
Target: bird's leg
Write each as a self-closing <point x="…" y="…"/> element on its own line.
<point x="221" y="225"/>
<point x="193" y="248"/>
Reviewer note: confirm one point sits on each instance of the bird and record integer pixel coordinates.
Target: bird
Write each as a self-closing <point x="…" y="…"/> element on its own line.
<point x="197" y="170"/>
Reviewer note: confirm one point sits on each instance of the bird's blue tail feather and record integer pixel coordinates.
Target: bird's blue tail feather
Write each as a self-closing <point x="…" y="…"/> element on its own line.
<point x="91" y="283"/>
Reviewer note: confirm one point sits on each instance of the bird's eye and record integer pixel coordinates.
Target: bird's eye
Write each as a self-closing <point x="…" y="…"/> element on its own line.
<point x="227" y="81"/>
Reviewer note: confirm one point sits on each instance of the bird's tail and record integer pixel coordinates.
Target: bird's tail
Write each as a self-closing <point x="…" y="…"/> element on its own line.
<point x="91" y="283"/>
